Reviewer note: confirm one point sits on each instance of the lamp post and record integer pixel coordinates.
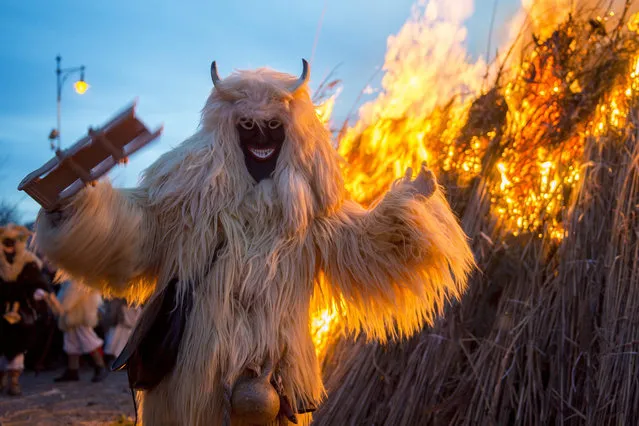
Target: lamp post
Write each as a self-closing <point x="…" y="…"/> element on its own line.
<point x="80" y="86"/>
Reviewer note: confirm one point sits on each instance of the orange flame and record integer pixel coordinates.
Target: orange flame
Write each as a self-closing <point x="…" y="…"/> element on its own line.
<point x="325" y="109"/>
<point x="420" y="115"/>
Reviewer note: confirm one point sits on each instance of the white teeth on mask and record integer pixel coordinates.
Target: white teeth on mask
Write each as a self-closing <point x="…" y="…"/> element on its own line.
<point x="262" y="153"/>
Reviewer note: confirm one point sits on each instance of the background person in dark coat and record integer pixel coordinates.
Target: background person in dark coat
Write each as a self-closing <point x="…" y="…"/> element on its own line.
<point x="21" y="284"/>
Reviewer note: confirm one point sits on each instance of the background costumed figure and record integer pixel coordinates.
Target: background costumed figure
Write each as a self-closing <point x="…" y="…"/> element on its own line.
<point x="77" y="311"/>
<point x="21" y="284"/>
<point x="235" y="235"/>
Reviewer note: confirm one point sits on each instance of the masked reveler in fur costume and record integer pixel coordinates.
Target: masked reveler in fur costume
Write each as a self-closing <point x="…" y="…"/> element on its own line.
<point x="21" y="284"/>
<point x="77" y="311"/>
<point x="233" y="233"/>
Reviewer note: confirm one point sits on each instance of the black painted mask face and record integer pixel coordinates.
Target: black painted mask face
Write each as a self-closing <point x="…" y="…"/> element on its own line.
<point x="9" y="249"/>
<point x="261" y="144"/>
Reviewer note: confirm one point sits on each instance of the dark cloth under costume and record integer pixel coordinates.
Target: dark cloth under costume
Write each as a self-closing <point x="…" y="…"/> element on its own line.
<point x="46" y="353"/>
<point x="19" y="337"/>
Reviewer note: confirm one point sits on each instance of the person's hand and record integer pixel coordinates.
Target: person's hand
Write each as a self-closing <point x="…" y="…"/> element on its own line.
<point x="39" y="294"/>
<point x="56" y="217"/>
<point x="424" y="184"/>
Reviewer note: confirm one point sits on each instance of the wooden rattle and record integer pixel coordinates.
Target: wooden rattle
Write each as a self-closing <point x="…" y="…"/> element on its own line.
<point x="88" y="159"/>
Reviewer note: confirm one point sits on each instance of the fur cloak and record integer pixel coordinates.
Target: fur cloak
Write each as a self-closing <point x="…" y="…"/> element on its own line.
<point x="78" y="306"/>
<point x="285" y="241"/>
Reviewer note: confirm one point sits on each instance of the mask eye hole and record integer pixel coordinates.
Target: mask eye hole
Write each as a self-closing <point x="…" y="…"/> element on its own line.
<point x="274" y="124"/>
<point x="247" y="123"/>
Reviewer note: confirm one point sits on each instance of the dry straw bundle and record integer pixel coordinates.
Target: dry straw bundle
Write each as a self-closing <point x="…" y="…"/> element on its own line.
<point x="545" y="176"/>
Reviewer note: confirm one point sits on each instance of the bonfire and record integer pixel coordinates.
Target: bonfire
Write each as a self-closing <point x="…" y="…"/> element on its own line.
<point x="539" y="156"/>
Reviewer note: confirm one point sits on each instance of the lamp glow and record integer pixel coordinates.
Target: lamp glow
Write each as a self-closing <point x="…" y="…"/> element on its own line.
<point x="81" y="86"/>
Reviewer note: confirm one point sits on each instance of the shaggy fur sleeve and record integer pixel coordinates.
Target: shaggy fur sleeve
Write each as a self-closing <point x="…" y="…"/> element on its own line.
<point x="105" y="239"/>
<point x="388" y="271"/>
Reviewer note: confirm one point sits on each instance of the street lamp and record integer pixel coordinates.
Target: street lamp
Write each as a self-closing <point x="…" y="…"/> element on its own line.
<point x="80" y="86"/>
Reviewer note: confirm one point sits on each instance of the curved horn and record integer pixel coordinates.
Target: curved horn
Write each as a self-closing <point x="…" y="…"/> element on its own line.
<point x="214" y="75"/>
<point x="303" y="78"/>
<point x="216" y="79"/>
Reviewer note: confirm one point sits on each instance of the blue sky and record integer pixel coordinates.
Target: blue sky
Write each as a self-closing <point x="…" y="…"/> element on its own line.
<point x="160" y="52"/>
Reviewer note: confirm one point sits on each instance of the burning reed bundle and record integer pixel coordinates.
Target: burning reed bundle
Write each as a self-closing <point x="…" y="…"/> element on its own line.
<point x="544" y="170"/>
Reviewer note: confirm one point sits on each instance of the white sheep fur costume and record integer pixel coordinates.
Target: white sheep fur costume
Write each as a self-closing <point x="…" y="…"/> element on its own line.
<point x="289" y="240"/>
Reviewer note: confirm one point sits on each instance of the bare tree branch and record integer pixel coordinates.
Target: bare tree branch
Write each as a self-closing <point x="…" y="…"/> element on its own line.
<point x="8" y="213"/>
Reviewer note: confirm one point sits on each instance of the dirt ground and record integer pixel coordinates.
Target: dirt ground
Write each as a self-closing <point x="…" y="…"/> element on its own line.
<point x="77" y="403"/>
